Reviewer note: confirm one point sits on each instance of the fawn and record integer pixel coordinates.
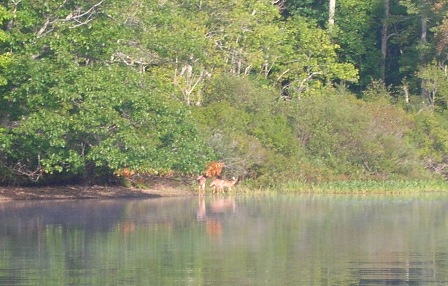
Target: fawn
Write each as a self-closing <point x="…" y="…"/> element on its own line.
<point x="219" y="184"/>
<point x="201" y="181"/>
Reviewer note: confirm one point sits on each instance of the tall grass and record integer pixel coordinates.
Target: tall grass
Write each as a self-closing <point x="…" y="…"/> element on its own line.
<point x="366" y="187"/>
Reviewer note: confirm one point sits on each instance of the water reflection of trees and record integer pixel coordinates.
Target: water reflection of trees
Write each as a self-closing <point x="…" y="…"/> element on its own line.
<point x="216" y="239"/>
<point x="343" y="240"/>
<point x="29" y="217"/>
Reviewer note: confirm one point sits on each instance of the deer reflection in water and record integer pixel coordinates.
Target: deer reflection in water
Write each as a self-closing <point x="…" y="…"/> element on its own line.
<point x="126" y="228"/>
<point x="211" y="213"/>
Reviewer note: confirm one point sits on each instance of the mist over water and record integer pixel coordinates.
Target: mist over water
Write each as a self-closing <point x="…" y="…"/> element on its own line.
<point x="226" y="240"/>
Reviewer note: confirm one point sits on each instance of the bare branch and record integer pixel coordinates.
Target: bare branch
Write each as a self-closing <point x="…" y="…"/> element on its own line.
<point x="187" y="81"/>
<point x="282" y="74"/>
<point x="80" y="15"/>
<point x="135" y="53"/>
<point x="23" y="169"/>
<point x="44" y="28"/>
<point x="280" y="4"/>
<point x="77" y="16"/>
<point x="14" y="13"/>
<point x="302" y="85"/>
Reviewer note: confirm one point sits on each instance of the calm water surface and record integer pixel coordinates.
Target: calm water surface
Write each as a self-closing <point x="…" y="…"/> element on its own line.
<point x="224" y="240"/>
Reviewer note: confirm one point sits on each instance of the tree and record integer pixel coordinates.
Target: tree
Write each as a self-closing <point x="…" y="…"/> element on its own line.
<point x="5" y="60"/>
<point x="435" y="85"/>
<point x="420" y="39"/>
<point x="310" y="60"/>
<point x="315" y="11"/>
<point x="331" y="14"/>
<point x="202" y="40"/>
<point x="355" y="32"/>
<point x="173" y="45"/>
<point x="384" y="38"/>
<point x="5" y="56"/>
<point x="428" y="11"/>
<point x="441" y="41"/>
<point x="76" y="111"/>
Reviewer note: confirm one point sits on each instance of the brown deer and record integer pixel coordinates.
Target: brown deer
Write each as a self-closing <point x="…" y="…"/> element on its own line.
<point x="214" y="169"/>
<point x="219" y="184"/>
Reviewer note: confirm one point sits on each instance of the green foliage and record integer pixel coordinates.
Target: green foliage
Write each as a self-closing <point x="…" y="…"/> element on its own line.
<point x="72" y="109"/>
<point x="315" y="138"/>
<point x="430" y="135"/>
<point x="435" y="84"/>
<point x="355" y="33"/>
<point x="94" y="86"/>
<point x="5" y="56"/>
<point x="245" y="128"/>
<point x="376" y="91"/>
<point x="355" y="139"/>
<point x="310" y="60"/>
<point x="102" y="116"/>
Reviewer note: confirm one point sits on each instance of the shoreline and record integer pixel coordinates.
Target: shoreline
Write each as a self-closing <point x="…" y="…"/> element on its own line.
<point x="157" y="187"/>
<point x="75" y="192"/>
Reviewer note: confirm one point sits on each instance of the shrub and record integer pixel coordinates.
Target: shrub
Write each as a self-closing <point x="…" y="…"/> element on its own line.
<point x="354" y="138"/>
<point x="430" y="136"/>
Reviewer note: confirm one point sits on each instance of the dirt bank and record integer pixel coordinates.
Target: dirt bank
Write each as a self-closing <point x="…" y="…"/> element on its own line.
<point x="161" y="188"/>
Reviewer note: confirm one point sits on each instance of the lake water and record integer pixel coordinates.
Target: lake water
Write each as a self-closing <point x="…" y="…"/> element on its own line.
<point x="224" y="240"/>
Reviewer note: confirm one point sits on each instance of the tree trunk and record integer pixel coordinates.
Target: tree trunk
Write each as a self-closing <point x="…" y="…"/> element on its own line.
<point x="384" y="39"/>
<point x="332" y="11"/>
<point x="423" y="39"/>
<point x="424" y="34"/>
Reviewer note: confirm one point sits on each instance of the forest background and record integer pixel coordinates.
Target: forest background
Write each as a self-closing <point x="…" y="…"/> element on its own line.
<point x="278" y="90"/>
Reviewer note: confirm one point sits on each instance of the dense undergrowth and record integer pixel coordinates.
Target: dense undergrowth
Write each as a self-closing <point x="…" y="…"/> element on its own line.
<point x="161" y="89"/>
<point x="331" y="137"/>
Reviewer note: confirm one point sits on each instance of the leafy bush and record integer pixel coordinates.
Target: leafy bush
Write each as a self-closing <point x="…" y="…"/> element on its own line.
<point x="353" y="138"/>
<point x="77" y="118"/>
<point x="430" y="136"/>
<point x="311" y="139"/>
<point x="243" y="127"/>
